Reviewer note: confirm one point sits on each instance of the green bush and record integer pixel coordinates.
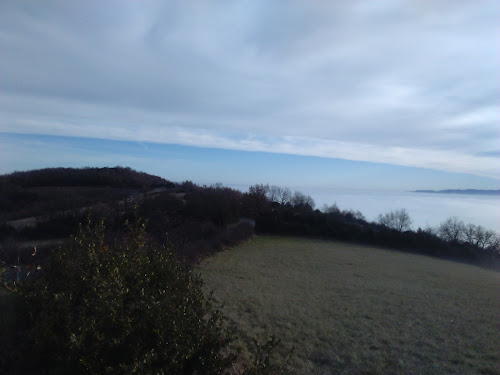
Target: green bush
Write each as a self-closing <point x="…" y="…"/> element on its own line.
<point x="120" y="307"/>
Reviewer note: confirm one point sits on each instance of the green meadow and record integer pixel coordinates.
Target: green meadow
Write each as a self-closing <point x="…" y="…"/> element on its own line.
<point x="352" y="309"/>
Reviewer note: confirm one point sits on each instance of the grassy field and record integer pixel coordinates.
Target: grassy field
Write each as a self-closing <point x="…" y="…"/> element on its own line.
<point x="350" y="309"/>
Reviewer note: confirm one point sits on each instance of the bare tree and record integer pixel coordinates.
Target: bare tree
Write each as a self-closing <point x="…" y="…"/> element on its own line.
<point x="358" y="215"/>
<point x="399" y="220"/>
<point x="273" y="193"/>
<point x="259" y="190"/>
<point x="310" y="201"/>
<point x="469" y="233"/>
<point x="301" y="200"/>
<point x="494" y="246"/>
<point x="285" y="195"/>
<point x="481" y="237"/>
<point x="281" y="195"/>
<point x="452" y="229"/>
<point x="484" y="237"/>
<point x="331" y="209"/>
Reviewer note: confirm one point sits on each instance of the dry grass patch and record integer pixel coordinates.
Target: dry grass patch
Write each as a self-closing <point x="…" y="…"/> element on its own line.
<point x="350" y="309"/>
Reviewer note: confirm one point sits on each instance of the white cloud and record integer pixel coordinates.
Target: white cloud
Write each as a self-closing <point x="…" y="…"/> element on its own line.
<point x="412" y="84"/>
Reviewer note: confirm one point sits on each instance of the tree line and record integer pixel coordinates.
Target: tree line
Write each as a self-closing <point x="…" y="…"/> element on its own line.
<point x="203" y="219"/>
<point x="284" y="212"/>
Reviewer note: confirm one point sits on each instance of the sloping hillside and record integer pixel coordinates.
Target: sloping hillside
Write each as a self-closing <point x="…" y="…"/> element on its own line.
<point x="51" y="190"/>
<point x="352" y="309"/>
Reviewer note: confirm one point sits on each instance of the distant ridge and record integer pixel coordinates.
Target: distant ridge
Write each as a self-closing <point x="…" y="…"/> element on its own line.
<point x="458" y="191"/>
<point x="77" y="177"/>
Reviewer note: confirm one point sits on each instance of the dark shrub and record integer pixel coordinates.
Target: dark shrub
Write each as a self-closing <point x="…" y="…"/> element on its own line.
<point x="123" y="307"/>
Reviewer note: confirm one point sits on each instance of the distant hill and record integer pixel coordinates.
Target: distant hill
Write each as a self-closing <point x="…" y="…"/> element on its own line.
<point x="45" y="192"/>
<point x="48" y="204"/>
<point x="458" y="191"/>
<point x="111" y="177"/>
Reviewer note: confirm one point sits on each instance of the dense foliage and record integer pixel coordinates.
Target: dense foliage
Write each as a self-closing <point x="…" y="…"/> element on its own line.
<point x="127" y="306"/>
<point x="199" y="220"/>
<point x="56" y="192"/>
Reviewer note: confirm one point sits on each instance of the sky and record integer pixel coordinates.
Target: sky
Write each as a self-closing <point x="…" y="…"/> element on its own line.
<point x="372" y="94"/>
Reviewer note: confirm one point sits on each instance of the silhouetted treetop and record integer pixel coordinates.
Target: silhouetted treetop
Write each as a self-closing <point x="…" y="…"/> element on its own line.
<point x="113" y="177"/>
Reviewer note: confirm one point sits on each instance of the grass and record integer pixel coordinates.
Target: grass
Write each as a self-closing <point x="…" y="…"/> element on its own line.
<point x="350" y="309"/>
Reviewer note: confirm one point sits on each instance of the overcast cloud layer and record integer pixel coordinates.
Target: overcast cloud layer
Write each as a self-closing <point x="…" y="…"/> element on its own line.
<point x="412" y="83"/>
